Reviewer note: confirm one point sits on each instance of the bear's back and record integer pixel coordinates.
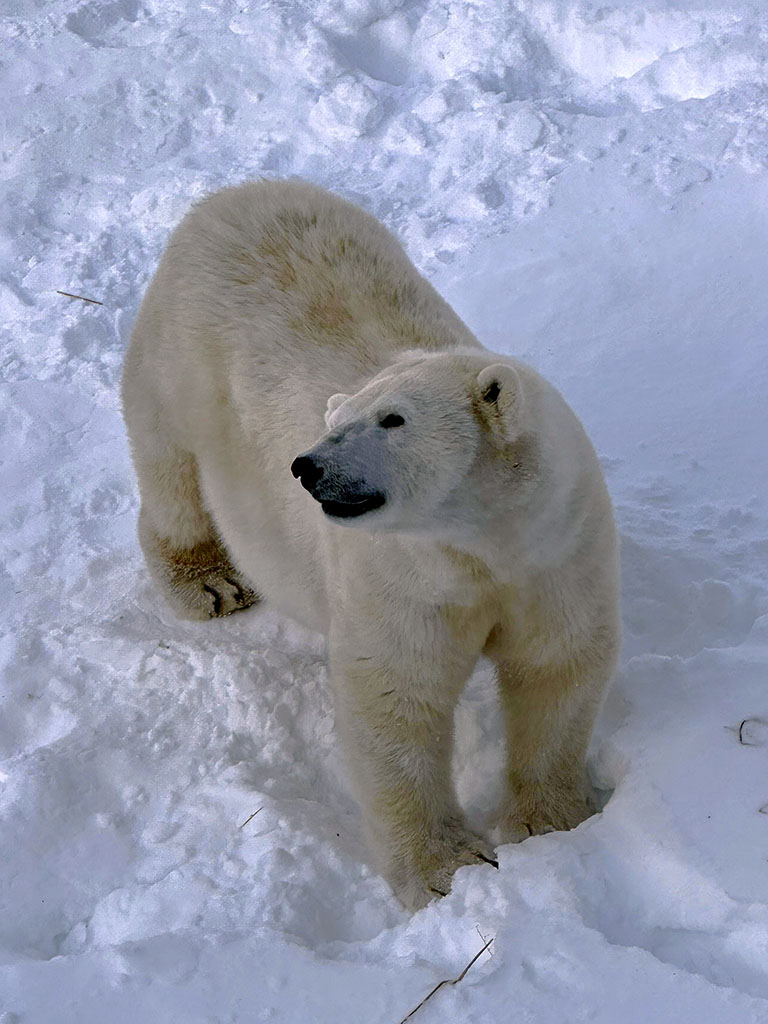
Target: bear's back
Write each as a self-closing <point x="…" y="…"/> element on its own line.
<point x="321" y="272"/>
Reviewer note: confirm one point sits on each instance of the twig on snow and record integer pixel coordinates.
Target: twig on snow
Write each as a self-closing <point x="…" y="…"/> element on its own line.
<point x="752" y="737"/>
<point x="250" y="819"/>
<point x="482" y="937"/>
<point x="752" y="732"/>
<point x="69" y="295"/>
<point x="447" y="981"/>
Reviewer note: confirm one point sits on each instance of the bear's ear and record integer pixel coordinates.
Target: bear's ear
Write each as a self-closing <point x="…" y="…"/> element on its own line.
<point x="499" y="399"/>
<point x="333" y="404"/>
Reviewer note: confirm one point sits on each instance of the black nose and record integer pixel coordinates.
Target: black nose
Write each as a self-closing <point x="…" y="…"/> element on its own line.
<point x="309" y="471"/>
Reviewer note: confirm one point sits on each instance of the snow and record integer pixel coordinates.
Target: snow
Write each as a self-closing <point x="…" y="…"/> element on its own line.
<point x="588" y="185"/>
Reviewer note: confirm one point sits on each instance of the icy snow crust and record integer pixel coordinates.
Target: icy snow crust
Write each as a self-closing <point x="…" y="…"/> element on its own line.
<point x="589" y="186"/>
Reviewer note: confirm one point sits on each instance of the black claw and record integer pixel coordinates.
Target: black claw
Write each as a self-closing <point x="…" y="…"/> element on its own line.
<point x="216" y="598"/>
<point x="488" y="860"/>
<point x="438" y="891"/>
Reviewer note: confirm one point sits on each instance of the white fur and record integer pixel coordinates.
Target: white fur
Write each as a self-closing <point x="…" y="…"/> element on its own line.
<point x="496" y="537"/>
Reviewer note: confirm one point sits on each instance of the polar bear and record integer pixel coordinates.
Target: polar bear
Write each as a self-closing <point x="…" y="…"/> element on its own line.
<point x="312" y="424"/>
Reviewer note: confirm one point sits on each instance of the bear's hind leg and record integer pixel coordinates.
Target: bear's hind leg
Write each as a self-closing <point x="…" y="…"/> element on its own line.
<point x="180" y="542"/>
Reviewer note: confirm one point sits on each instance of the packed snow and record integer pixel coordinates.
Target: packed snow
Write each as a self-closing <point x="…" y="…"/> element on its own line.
<point x="588" y="185"/>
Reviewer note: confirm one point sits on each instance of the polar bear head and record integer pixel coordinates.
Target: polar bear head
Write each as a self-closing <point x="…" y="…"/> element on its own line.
<point x="431" y="441"/>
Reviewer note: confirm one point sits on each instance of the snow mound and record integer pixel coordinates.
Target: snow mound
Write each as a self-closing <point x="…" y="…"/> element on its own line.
<point x="588" y="185"/>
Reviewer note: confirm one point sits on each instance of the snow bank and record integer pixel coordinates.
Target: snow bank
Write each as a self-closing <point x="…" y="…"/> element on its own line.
<point x="588" y="185"/>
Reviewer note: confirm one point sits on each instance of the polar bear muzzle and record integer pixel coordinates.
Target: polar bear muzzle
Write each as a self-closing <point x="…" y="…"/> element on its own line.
<point x="340" y="496"/>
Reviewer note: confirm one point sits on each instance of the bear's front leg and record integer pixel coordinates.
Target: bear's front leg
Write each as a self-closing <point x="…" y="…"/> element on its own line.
<point x="550" y="711"/>
<point x="395" y="701"/>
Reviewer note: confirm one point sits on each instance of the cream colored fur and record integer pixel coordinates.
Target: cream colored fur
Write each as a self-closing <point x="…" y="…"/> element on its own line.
<point x="275" y="306"/>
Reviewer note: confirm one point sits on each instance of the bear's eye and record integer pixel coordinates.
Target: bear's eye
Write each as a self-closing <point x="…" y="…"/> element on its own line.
<point x="392" y="420"/>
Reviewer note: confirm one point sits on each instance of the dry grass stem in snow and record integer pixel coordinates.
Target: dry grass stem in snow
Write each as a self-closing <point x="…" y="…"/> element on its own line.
<point x="69" y="295"/>
<point x="447" y="981"/>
